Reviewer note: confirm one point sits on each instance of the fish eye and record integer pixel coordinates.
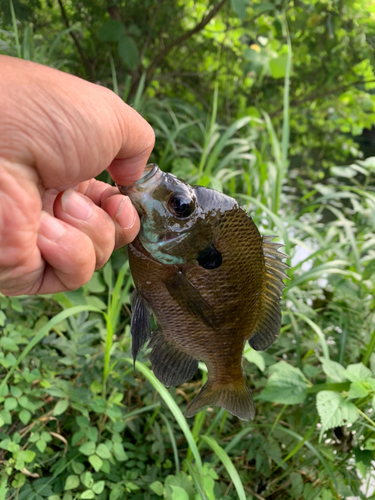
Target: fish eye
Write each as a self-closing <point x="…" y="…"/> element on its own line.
<point x="180" y="205"/>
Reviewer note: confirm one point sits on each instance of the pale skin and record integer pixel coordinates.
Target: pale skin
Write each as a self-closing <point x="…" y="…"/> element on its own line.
<point x="57" y="132"/>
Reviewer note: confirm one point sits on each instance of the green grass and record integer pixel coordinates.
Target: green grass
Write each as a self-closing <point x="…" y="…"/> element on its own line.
<point x="78" y="421"/>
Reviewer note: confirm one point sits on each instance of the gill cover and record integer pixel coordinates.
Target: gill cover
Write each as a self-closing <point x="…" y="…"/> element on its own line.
<point x="178" y="221"/>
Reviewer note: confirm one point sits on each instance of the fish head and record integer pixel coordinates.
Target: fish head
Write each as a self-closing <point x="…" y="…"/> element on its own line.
<point x="178" y="221"/>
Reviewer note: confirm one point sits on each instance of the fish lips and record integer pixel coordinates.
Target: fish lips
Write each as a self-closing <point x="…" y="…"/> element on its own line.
<point x="146" y="185"/>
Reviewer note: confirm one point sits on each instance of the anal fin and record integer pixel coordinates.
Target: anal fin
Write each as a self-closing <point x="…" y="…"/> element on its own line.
<point x="236" y="398"/>
<point x="170" y="365"/>
<point x="140" y="324"/>
<point x="268" y="327"/>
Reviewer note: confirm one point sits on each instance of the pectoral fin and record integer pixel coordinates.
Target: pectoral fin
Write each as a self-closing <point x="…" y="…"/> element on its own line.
<point x="236" y="398"/>
<point x="188" y="297"/>
<point x="140" y="324"/>
<point x="169" y="364"/>
<point x="268" y="327"/>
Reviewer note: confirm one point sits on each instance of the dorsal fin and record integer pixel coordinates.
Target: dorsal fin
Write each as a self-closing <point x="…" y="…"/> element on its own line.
<point x="268" y="327"/>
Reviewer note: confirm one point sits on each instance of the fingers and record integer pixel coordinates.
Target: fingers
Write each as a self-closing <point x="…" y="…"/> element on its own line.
<point x="69" y="130"/>
<point x="69" y="254"/>
<point x="114" y="224"/>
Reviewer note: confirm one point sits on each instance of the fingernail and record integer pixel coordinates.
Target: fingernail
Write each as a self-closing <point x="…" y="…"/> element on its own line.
<point x="75" y="205"/>
<point x="51" y="228"/>
<point x="126" y="214"/>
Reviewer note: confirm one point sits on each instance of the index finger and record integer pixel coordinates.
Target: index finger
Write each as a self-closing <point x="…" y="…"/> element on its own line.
<point x="138" y="143"/>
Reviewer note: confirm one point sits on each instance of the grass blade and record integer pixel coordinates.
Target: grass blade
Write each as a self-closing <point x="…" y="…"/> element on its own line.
<point x="15" y="30"/>
<point x="174" y="409"/>
<point x="228" y="464"/>
<point x="173" y="442"/>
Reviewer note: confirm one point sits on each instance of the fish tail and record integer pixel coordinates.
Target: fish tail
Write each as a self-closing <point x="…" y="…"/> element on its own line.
<point x="236" y="398"/>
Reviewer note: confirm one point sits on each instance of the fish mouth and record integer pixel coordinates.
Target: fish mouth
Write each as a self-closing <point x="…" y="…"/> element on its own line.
<point x="143" y="188"/>
<point x="149" y="172"/>
<point x="148" y="182"/>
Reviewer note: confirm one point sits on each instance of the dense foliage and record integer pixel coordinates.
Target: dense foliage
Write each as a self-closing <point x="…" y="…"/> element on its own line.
<point x="261" y="100"/>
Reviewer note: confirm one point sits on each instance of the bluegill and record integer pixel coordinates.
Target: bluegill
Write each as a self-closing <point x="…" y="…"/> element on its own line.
<point x="211" y="282"/>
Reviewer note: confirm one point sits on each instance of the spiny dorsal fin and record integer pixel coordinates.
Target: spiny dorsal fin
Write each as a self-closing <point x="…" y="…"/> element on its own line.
<point x="268" y="327"/>
<point x="235" y="398"/>
<point x="169" y="364"/>
<point x="188" y="297"/>
<point x="140" y="324"/>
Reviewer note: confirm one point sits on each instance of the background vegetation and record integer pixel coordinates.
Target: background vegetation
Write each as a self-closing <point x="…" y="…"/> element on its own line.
<point x="273" y="103"/>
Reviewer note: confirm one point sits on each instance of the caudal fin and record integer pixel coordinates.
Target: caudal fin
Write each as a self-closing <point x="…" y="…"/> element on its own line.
<point x="235" y="398"/>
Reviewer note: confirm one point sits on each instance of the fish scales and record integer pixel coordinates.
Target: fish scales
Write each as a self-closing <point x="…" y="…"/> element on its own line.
<point x="211" y="281"/>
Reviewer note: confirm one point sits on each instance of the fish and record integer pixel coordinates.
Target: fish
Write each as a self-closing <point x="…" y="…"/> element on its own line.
<point x="210" y="281"/>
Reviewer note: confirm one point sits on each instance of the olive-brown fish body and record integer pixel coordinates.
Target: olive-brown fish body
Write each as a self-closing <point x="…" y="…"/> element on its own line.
<point x="207" y="308"/>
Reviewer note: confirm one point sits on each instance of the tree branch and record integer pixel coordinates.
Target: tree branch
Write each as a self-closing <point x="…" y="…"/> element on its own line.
<point x="181" y="39"/>
<point x="85" y="61"/>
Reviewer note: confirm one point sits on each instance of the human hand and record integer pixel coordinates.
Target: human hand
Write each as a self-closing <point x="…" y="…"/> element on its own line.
<point x="57" y="132"/>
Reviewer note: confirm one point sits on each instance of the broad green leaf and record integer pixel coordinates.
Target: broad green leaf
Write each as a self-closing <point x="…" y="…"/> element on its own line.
<point x="88" y="494"/>
<point x="112" y="31"/>
<point x="255" y="357"/>
<point x="41" y="445"/>
<point x="358" y="372"/>
<point x="78" y="467"/>
<point x="4" y="390"/>
<point x="96" y="302"/>
<point x="96" y="284"/>
<point x="157" y="487"/>
<point x="128" y="51"/>
<point x="180" y="480"/>
<point x="82" y="421"/>
<point x="103" y="451"/>
<point x="10" y="404"/>
<point x="178" y="493"/>
<point x="92" y="434"/>
<point x="278" y="66"/>
<point x="87" y="448"/>
<point x="119" y="452"/>
<point x="4" y="444"/>
<point x="6" y="416"/>
<point x="239" y="7"/>
<point x="357" y="390"/>
<point x="8" y="344"/>
<point x="263" y="6"/>
<point x="15" y="391"/>
<point x="98" y="487"/>
<point x="24" y="416"/>
<point x="296" y="486"/>
<point x="72" y="482"/>
<point x="28" y="455"/>
<point x="96" y="462"/>
<point x="335" y="411"/>
<point x="347" y="172"/>
<point x="26" y="403"/>
<point x="60" y="407"/>
<point x="87" y="479"/>
<point x="286" y="385"/>
<point x="333" y="370"/>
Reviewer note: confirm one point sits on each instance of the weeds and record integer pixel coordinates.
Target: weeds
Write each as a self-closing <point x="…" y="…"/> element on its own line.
<point x="77" y="421"/>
